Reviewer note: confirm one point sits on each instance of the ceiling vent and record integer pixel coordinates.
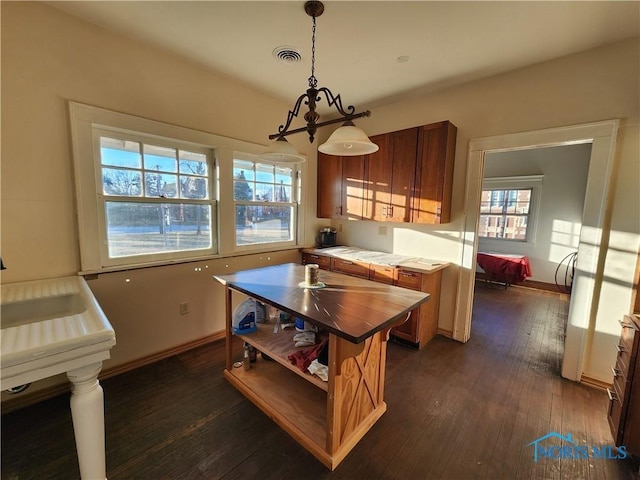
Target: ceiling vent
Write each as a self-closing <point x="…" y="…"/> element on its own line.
<point x="287" y="55"/>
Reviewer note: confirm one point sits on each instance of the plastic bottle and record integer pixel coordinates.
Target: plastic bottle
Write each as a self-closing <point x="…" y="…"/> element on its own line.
<point x="246" y="361"/>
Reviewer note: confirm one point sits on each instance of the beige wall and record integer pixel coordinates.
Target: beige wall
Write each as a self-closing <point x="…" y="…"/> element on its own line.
<point x="49" y="57"/>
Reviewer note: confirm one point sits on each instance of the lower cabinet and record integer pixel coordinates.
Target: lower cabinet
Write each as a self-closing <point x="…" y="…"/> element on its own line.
<point x="624" y="396"/>
<point x="322" y="261"/>
<point x="422" y="324"/>
<point x="357" y="269"/>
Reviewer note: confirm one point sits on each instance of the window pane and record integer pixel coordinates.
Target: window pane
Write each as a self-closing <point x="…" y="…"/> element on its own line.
<point x="146" y="228"/>
<point x="241" y="189"/>
<point x="193" y="163"/>
<point x="116" y="181"/>
<point x="284" y="175"/>
<point x="263" y="224"/>
<point x="160" y="158"/>
<point x="160" y="185"/>
<point x="264" y="192"/>
<point x="119" y="153"/>
<point x="193" y="187"/>
<point x="283" y="194"/>
<point x="243" y="169"/>
<point x="264" y="173"/>
<point x="515" y="228"/>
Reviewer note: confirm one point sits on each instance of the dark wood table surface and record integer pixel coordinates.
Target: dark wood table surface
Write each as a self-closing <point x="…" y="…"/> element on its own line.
<point x="349" y="307"/>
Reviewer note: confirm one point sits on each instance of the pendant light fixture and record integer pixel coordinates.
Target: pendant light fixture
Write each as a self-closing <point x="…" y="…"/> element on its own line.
<point x="348" y="140"/>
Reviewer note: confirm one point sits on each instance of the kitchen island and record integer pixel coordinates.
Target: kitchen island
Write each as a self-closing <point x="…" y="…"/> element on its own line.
<point x="326" y="418"/>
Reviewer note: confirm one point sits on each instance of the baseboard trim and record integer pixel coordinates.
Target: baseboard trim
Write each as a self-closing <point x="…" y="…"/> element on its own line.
<point x="27" y="398"/>
<point x="594" y="382"/>
<point x="156" y="357"/>
<point x="445" y="333"/>
<point x="549" y="287"/>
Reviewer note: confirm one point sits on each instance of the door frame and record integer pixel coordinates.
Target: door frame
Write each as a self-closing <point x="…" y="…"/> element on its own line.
<point x="594" y="233"/>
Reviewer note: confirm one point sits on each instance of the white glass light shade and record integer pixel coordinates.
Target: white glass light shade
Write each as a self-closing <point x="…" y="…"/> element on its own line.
<point x="348" y="140"/>
<point x="282" y="151"/>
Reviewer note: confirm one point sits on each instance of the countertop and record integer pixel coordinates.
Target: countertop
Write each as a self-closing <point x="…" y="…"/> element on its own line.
<point x="349" y="307"/>
<point x="417" y="264"/>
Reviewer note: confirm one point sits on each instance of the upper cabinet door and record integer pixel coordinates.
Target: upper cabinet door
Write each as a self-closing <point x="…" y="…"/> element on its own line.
<point x="434" y="173"/>
<point x="409" y="179"/>
<point x="353" y="187"/>
<point x="341" y="185"/>
<point x="404" y="148"/>
<point x="379" y="168"/>
<point x="329" y="186"/>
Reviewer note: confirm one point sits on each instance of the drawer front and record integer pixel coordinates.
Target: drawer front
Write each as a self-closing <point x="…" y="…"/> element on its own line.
<point x="624" y="356"/>
<point x="629" y="340"/>
<point x="383" y="274"/>
<point x="350" y="268"/>
<point x="615" y="415"/>
<point x="409" y="279"/>
<point x="321" y="260"/>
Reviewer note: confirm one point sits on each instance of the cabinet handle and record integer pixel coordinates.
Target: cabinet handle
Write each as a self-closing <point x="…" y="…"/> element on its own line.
<point x="410" y="275"/>
<point x="314" y="256"/>
<point x="616" y="372"/>
<point x="345" y="262"/>
<point x="390" y="211"/>
<point x="612" y="396"/>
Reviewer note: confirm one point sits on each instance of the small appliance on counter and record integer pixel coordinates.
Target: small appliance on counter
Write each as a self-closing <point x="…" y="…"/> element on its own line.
<point x="327" y="237"/>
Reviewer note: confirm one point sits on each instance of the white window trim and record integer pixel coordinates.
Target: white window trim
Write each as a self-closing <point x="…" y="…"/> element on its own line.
<point x="534" y="182"/>
<point x="85" y="117"/>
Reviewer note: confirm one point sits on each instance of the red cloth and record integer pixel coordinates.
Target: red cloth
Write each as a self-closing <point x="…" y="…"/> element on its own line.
<point x="505" y="268"/>
<point x="303" y="358"/>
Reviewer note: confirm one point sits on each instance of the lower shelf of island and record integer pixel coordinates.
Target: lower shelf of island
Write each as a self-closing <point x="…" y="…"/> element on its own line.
<point x="326" y="418"/>
<point x="293" y="403"/>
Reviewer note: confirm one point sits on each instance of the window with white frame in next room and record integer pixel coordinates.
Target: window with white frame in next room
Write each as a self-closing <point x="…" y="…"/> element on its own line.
<point x="506" y="208"/>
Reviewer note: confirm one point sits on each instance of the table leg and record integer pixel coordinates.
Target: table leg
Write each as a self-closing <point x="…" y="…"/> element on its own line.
<point x="87" y="411"/>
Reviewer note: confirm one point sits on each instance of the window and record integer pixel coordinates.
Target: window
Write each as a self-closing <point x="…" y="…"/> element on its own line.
<point x="148" y="193"/>
<point x="264" y="202"/>
<point x="156" y="198"/>
<point x="504" y="213"/>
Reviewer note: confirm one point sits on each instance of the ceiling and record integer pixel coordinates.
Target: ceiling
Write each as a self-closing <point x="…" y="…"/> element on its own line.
<point x="358" y="43"/>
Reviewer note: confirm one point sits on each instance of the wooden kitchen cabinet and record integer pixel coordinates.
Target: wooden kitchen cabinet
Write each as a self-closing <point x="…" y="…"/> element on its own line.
<point x="341" y="186"/>
<point x="624" y="396"/>
<point x="391" y="172"/>
<point x="434" y="173"/>
<point x="422" y="325"/>
<point x="322" y="261"/>
<point x="409" y="178"/>
<point x="357" y="269"/>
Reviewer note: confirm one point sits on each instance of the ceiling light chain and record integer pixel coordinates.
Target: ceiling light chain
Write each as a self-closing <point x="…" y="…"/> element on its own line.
<point x="349" y="140"/>
<point x="313" y="81"/>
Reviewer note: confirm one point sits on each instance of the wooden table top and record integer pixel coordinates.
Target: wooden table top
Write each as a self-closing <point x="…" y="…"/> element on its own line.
<point x="349" y="307"/>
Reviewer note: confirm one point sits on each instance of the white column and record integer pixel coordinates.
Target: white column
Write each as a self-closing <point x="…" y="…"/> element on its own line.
<point x="87" y="411"/>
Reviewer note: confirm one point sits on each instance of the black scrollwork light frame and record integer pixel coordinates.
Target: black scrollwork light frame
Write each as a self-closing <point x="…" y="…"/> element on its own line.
<point x="314" y="9"/>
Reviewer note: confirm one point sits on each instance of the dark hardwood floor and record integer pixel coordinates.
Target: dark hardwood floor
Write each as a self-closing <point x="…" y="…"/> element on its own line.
<point x="454" y="412"/>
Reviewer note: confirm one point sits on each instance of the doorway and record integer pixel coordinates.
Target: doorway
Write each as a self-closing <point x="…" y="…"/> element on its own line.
<point x="592" y="239"/>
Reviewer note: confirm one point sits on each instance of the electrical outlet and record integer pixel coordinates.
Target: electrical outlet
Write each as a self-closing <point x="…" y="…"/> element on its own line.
<point x="382" y="230"/>
<point x="184" y="308"/>
<point x="339" y="227"/>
